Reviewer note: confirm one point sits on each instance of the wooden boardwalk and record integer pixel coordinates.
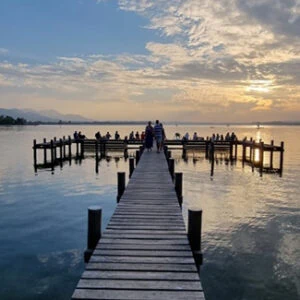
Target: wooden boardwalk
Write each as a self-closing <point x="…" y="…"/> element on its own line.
<point x="144" y="252"/>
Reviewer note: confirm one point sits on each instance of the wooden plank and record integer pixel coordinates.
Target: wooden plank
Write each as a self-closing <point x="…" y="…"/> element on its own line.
<point x="141" y="275"/>
<point x="141" y="267"/>
<point x="136" y="295"/>
<point x="139" y="284"/>
<point x="141" y="253"/>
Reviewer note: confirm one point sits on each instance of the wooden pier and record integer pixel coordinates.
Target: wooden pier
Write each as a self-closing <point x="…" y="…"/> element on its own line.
<point x="258" y="155"/>
<point x="145" y="252"/>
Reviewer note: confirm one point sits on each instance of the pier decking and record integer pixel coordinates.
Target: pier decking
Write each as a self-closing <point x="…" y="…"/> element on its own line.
<point x="144" y="253"/>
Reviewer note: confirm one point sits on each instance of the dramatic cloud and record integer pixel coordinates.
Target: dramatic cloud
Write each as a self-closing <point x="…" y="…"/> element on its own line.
<point x="231" y="60"/>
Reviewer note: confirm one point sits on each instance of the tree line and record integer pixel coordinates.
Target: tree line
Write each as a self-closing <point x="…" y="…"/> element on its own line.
<point x="7" y="120"/>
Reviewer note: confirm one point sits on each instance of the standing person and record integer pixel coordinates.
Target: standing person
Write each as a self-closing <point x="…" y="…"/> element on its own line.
<point x="158" y="135"/>
<point x="149" y="137"/>
<point x="117" y="136"/>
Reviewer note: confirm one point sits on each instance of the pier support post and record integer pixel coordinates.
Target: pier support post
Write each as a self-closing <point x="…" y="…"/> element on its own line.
<point x="82" y="148"/>
<point x="70" y="148"/>
<point x="212" y="157"/>
<point x="52" y="155"/>
<point x="77" y="148"/>
<point x="94" y="230"/>
<point x="281" y="158"/>
<point x="235" y="150"/>
<point x="54" y="149"/>
<point x="172" y="167"/>
<point x="45" y="151"/>
<point x="231" y="150"/>
<point x="194" y="233"/>
<point x="34" y="153"/>
<point x="166" y="151"/>
<point x="184" y="150"/>
<point x="169" y="155"/>
<point x="61" y="149"/>
<point x="244" y="154"/>
<point x="271" y="154"/>
<point x="137" y="156"/>
<point x="253" y="155"/>
<point x="178" y="187"/>
<point x="141" y="150"/>
<point x="261" y="158"/>
<point x="121" y="185"/>
<point x="206" y="148"/>
<point x="131" y="166"/>
<point x="64" y="146"/>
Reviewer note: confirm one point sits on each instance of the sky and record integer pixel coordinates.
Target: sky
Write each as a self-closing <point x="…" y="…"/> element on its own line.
<point x="179" y="60"/>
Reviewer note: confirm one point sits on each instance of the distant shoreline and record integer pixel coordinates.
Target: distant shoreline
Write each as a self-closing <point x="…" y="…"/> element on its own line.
<point x="122" y="123"/>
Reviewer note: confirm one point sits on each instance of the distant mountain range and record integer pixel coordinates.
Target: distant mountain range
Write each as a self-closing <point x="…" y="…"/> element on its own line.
<point x="42" y="115"/>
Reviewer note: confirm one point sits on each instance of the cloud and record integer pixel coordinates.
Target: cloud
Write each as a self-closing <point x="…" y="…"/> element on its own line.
<point x="3" y="51"/>
<point x="212" y="58"/>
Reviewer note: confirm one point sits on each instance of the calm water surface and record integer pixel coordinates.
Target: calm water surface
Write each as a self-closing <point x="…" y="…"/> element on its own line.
<point x="251" y="224"/>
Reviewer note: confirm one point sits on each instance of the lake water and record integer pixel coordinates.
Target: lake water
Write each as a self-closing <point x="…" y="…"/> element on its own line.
<point x="251" y="224"/>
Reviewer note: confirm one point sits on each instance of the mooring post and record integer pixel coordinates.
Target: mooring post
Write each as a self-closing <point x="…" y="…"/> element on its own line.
<point x="137" y="156"/>
<point x="54" y="144"/>
<point x="194" y="233"/>
<point x="253" y="155"/>
<point x="281" y="158"/>
<point x="206" y="148"/>
<point x="77" y="148"/>
<point x="231" y="150"/>
<point x="183" y="150"/>
<point x="244" y="154"/>
<point x="96" y="150"/>
<point x="261" y="158"/>
<point x="52" y="154"/>
<point x="64" y="146"/>
<point x="94" y="230"/>
<point x="271" y="154"/>
<point x="131" y="166"/>
<point x="169" y="155"/>
<point x="178" y="187"/>
<point x="172" y="167"/>
<point x="70" y="148"/>
<point x="60" y="149"/>
<point x="34" y="153"/>
<point x="166" y="151"/>
<point x="141" y="150"/>
<point x="212" y="156"/>
<point x="82" y="148"/>
<point x="251" y="146"/>
<point x="121" y="185"/>
<point x="235" y="149"/>
<point x="45" y="151"/>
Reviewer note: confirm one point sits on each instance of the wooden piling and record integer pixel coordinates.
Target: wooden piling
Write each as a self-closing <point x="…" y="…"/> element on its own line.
<point x="70" y="148"/>
<point x="77" y="148"/>
<point x="137" y="156"/>
<point x="45" y="152"/>
<point x="60" y="149"/>
<point x="131" y="166"/>
<point x="34" y="153"/>
<point x="94" y="230"/>
<point x="52" y="154"/>
<point x="194" y="233"/>
<point x="271" y="154"/>
<point x="212" y="156"/>
<point x="178" y="187"/>
<point x="231" y="150"/>
<point x="281" y="158"/>
<point x="243" y="154"/>
<point x="82" y="148"/>
<point x="261" y="158"/>
<point x="253" y="155"/>
<point x="235" y="150"/>
<point x="172" y="167"/>
<point x="121" y="185"/>
<point x="64" y="147"/>
<point x="206" y="149"/>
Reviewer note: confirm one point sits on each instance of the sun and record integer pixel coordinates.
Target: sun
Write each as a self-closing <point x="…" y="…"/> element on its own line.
<point x="259" y="86"/>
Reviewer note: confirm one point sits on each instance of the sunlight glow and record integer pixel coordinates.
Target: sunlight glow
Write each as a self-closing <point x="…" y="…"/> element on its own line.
<point x="260" y="86"/>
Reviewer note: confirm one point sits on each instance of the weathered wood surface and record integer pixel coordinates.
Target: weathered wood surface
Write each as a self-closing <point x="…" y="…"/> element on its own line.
<point x="144" y="252"/>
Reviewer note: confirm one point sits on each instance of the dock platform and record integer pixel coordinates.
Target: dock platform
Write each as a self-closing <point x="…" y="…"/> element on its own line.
<point x="144" y="253"/>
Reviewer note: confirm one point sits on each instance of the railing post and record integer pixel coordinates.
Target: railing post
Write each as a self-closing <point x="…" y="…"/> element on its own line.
<point x="172" y="167"/>
<point x="206" y="148"/>
<point x="121" y="185"/>
<point x="231" y="150"/>
<point x="94" y="230"/>
<point x="178" y="187"/>
<point x="82" y="148"/>
<point x="60" y="149"/>
<point x="194" y="233"/>
<point x="131" y="166"/>
<point x="64" y="146"/>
